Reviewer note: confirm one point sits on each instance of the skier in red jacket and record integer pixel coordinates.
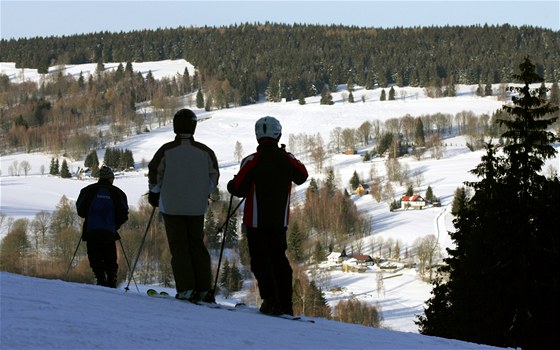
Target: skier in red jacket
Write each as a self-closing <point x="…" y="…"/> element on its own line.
<point x="265" y="180"/>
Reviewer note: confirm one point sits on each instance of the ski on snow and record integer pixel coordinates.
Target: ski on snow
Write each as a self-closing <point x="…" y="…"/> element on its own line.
<point x="238" y="307"/>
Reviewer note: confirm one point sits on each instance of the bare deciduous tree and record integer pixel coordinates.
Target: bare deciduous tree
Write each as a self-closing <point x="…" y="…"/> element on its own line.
<point x="238" y="152"/>
<point x="427" y="251"/>
<point x="25" y="167"/>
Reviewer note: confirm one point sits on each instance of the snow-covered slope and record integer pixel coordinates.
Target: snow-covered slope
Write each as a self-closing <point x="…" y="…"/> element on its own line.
<point x="52" y="314"/>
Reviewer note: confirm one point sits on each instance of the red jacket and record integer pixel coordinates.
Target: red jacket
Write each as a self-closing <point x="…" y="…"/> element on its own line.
<point x="265" y="180"/>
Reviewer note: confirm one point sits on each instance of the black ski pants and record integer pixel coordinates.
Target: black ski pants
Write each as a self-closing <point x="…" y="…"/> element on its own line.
<point x="190" y="259"/>
<point x="102" y="255"/>
<point x="270" y="265"/>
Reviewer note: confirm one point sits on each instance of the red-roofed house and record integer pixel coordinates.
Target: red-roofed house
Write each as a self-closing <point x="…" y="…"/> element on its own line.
<point x="413" y="202"/>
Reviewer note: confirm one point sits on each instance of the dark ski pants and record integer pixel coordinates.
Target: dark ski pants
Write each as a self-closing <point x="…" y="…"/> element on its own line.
<point x="270" y="265"/>
<point x="102" y="255"/>
<point x="190" y="259"/>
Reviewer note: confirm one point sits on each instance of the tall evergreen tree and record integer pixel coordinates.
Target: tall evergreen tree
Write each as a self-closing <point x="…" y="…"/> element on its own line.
<point x="430" y="195"/>
<point x="391" y="94"/>
<point x="503" y="282"/>
<point x="186" y="82"/>
<point x="383" y="96"/>
<point x="554" y="94"/>
<point x="64" y="171"/>
<point x="326" y="96"/>
<point x="419" y="137"/>
<point x="91" y="160"/>
<point x="355" y="180"/>
<point x="52" y="169"/>
<point x="230" y="235"/>
<point x="488" y="89"/>
<point x="199" y="99"/>
<point x="410" y="190"/>
<point x="460" y="200"/>
<point x="295" y="242"/>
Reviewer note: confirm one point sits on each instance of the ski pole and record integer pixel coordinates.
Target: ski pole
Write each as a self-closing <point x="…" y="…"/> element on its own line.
<point x="140" y="248"/>
<point x="128" y="264"/>
<point x="224" y="226"/>
<point x="73" y="256"/>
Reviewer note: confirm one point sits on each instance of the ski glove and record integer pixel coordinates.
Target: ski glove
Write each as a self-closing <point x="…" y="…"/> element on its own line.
<point x="153" y="199"/>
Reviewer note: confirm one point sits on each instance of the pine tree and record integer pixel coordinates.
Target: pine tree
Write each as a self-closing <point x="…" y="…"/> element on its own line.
<point x="52" y="169"/>
<point x="64" y="171"/>
<point x="502" y="286"/>
<point x="225" y="276"/>
<point x="326" y="96"/>
<point x="127" y="160"/>
<point x="460" y="200"/>
<point x="211" y="229"/>
<point x="488" y="89"/>
<point x="301" y="99"/>
<point x="91" y="160"/>
<point x="480" y="90"/>
<point x="235" y="281"/>
<point x="554" y="94"/>
<point x="430" y="195"/>
<point x="355" y="181"/>
<point x="108" y="158"/>
<point x="391" y="94"/>
<point x="208" y="104"/>
<point x="95" y="171"/>
<point x="410" y="191"/>
<point x="199" y="99"/>
<point x="244" y="256"/>
<point x="319" y="253"/>
<point x="295" y="242"/>
<point x="186" y="82"/>
<point x="230" y="235"/>
<point x="55" y="167"/>
<point x="383" y="96"/>
<point x="419" y="137"/>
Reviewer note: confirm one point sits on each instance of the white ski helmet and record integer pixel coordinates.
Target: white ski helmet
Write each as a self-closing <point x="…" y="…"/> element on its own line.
<point x="268" y="127"/>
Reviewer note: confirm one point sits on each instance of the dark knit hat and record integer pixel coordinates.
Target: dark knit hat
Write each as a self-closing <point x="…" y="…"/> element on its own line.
<point x="106" y="173"/>
<point x="184" y="122"/>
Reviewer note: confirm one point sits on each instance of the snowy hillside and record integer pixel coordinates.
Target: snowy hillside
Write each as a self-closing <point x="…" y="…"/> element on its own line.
<point x="46" y="314"/>
<point x="403" y="297"/>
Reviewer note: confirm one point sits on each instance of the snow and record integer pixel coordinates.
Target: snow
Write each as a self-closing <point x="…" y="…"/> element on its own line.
<point x="52" y="314"/>
<point x="38" y="313"/>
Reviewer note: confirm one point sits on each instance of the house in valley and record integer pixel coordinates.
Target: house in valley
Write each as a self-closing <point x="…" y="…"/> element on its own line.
<point x="413" y="202"/>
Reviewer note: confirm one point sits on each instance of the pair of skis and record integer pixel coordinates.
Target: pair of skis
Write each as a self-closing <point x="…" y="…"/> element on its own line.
<point x="237" y="307"/>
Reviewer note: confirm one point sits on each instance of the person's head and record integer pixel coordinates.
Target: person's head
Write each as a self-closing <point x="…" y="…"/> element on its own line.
<point x="184" y="122"/>
<point x="106" y="174"/>
<point x="268" y="128"/>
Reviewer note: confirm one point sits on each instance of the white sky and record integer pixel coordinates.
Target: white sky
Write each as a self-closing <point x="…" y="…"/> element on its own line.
<point x="23" y="18"/>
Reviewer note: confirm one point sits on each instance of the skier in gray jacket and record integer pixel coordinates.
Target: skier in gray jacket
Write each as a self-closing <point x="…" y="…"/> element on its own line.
<point x="182" y="175"/>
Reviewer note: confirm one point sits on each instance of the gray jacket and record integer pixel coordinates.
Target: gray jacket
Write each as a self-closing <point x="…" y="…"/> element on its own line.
<point x="184" y="172"/>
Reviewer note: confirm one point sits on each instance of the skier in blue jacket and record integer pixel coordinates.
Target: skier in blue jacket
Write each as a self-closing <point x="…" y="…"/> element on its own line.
<point x="105" y="208"/>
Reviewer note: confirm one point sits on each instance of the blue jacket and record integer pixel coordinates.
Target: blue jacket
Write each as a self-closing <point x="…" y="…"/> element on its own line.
<point x="104" y="208"/>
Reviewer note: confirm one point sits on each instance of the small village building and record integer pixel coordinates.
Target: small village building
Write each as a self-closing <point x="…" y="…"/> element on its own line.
<point x="335" y="258"/>
<point x="351" y="265"/>
<point x="362" y="259"/>
<point x="413" y="202"/>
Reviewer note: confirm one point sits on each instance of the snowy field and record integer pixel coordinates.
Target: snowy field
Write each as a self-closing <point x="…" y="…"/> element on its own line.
<point x="403" y="296"/>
